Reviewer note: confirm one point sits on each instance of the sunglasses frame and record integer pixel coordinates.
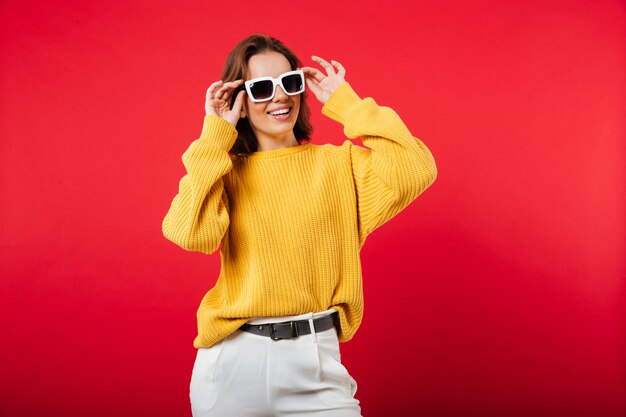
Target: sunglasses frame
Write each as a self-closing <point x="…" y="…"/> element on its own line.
<point x="275" y="81"/>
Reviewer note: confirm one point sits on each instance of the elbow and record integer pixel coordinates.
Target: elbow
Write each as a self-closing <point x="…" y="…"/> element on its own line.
<point x="425" y="172"/>
<point x="422" y="176"/>
<point x="194" y="245"/>
<point x="189" y="241"/>
<point x="204" y="247"/>
<point x="431" y="171"/>
<point x="409" y="184"/>
<point x="420" y="171"/>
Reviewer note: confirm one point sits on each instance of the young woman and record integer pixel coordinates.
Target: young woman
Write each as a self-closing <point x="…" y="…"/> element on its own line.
<point x="291" y="218"/>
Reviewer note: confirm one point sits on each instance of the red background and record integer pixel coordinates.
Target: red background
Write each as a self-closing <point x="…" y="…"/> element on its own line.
<point x="499" y="292"/>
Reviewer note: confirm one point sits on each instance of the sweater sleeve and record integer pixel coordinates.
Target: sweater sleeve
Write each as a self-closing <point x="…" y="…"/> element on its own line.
<point x="198" y="216"/>
<point x="394" y="168"/>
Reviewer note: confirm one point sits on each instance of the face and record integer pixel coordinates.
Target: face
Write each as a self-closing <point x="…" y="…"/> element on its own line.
<point x="268" y="119"/>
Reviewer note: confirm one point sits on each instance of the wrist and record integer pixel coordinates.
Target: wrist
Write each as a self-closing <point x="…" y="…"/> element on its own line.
<point x="340" y="102"/>
<point x="218" y="130"/>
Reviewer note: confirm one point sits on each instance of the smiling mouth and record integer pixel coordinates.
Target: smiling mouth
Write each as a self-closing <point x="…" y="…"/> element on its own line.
<point x="281" y="112"/>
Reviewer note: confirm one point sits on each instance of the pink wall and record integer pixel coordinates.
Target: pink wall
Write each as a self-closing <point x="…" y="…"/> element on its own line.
<point x="499" y="292"/>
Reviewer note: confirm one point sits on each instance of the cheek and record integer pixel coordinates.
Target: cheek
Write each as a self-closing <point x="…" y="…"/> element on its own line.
<point x="297" y="104"/>
<point x="254" y="111"/>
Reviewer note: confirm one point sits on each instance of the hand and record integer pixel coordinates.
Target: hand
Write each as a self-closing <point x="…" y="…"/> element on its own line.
<point x="322" y="85"/>
<point x="218" y="101"/>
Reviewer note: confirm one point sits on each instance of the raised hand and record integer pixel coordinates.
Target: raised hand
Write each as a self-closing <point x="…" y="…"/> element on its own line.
<point x="218" y="97"/>
<point x="322" y="85"/>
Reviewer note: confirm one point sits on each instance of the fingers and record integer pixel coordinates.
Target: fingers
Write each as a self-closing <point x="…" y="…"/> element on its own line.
<point x="329" y="68"/>
<point x="313" y="73"/>
<point x="317" y="91"/>
<point x="313" y="86"/>
<point x="224" y="91"/>
<point x="340" y="69"/>
<point x="238" y="105"/>
<point x="218" y="98"/>
<point x="221" y="90"/>
<point x="211" y="90"/>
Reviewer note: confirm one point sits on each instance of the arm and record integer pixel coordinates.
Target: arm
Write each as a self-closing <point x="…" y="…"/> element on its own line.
<point x="394" y="170"/>
<point x="198" y="216"/>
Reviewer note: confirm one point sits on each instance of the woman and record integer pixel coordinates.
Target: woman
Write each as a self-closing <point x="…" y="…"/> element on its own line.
<point x="291" y="218"/>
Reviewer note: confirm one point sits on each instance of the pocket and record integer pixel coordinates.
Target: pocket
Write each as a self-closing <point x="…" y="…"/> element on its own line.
<point x="203" y="389"/>
<point x="333" y="371"/>
<point x="353" y="386"/>
<point x="348" y="384"/>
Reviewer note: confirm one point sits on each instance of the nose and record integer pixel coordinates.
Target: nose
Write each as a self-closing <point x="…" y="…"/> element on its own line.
<point x="280" y="94"/>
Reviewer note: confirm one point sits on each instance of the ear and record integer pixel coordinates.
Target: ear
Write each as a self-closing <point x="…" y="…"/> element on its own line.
<point x="244" y="110"/>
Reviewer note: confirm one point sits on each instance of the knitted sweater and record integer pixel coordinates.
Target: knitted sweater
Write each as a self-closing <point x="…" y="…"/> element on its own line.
<point x="291" y="221"/>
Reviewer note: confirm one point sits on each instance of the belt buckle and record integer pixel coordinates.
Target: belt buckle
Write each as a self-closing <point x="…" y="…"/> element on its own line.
<point x="293" y="331"/>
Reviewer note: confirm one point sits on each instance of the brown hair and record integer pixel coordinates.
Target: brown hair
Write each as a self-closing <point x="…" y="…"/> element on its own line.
<point x="236" y="67"/>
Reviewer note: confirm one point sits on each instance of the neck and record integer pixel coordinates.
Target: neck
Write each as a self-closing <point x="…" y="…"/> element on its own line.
<point x="269" y="144"/>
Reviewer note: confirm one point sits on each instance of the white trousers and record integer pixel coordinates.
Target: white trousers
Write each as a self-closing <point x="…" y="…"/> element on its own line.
<point x="250" y="375"/>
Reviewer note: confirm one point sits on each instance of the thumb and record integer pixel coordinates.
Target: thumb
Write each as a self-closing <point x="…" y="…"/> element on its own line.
<point x="239" y="102"/>
<point x="316" y="89"/>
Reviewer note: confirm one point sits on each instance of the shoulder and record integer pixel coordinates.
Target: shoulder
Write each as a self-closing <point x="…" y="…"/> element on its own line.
<point x="340" y="152"/>
<point x="348" y="151"/>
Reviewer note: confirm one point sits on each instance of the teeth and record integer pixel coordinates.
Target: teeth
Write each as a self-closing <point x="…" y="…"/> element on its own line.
<point x="279" y="112"/>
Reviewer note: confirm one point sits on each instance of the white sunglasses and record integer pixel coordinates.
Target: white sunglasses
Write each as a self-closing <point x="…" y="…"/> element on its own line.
<point x="264" y="88"/>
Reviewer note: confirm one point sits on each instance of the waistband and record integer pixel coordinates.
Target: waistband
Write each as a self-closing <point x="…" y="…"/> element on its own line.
<point x="305" y="316"/>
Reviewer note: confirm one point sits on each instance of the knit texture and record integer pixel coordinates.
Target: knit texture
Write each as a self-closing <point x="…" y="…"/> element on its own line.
<point x="291" y="222"/>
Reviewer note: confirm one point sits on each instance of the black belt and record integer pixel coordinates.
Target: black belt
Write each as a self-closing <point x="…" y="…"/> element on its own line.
<point x="290" y="329"/>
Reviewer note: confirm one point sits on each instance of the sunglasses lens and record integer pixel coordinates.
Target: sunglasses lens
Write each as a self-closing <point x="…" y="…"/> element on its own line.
<point x="293" y="83"/>
<point x="262" y="90"/>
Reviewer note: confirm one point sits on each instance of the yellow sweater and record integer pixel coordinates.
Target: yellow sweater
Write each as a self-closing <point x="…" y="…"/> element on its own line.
<point x="291" y="221"/>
